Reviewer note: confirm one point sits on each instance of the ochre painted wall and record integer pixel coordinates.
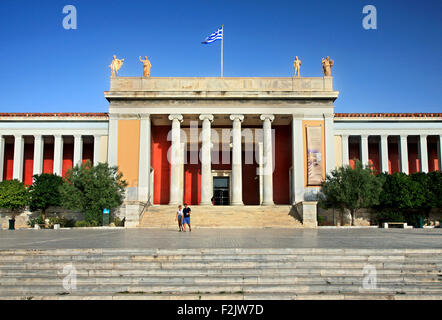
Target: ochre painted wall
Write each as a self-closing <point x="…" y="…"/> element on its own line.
<point x="28" y="163"/>
<point x="160" y="164"/>
<point x="8" y="164"/>
<point x="283" y="162"/>
<point x="48" y="158"/>
<point x="128" y="150"/>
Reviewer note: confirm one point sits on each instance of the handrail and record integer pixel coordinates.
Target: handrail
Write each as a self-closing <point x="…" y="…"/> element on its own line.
<point x="145" y="206"/>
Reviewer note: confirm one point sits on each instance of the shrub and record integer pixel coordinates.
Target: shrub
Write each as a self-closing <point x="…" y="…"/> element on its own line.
<point x="63" y="222"/>
<point x="45" y="192"/>
<point x="118" y="222"/>
<point x="92" y="189"/>
<point x="389" y="215"/>
<point x="38" y="220"/>
<point x="83" y="223"/>
<point x="352" y="189"/>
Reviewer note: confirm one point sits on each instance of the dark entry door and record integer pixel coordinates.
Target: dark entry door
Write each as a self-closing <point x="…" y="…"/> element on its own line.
<point x="221" y="191"/>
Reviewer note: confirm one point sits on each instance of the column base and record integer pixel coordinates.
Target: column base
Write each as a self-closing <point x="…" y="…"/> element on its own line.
<point x="237" y="203"/>
<point x="271" y="203"/>
<point x="208" y="203"/>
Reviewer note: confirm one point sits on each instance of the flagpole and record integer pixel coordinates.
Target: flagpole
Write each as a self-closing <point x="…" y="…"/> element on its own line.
<point x="222" y="39"/>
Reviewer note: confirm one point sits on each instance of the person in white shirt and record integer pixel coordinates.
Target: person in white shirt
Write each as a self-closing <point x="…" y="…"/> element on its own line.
<point x="179" y="217"/>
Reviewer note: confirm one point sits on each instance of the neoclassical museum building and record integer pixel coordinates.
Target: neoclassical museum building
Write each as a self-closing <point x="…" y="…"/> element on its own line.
<point x="219" y="141"/>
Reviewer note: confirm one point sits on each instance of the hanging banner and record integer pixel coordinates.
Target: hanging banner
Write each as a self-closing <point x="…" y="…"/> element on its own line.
<point x="314" y="156"/>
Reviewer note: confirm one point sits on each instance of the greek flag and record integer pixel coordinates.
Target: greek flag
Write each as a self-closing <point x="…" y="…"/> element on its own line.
<point x="217" y="35"/>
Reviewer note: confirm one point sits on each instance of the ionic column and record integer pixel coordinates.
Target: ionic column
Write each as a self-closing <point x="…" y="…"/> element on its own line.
<point x="97" y="150"/>
<point x="364" y="149"/>
<point x="345" y="154"/>
<point x="206" y="160"/>
<point x="403" y="145"/>
<point x="2" y="156"/>
<point x="58" y="155"/>
<point x="176" y="162"/>
<point x="19" y="144"/>
<point x="144" y="159"/>
<point x="268" y="159"/>
<point x="329" y="142"/>
<point x="384" y="153"/>
<point x="236" y="160"/>
<point x="112" y="152"/>
<point x="78" y="149"/>
<point x="423" y="153"/>
<point x="297" y="159"/>
<point x="38" y="154"/>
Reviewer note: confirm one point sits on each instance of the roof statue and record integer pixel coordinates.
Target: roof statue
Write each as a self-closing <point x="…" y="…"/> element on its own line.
<point x="116" y="65"/>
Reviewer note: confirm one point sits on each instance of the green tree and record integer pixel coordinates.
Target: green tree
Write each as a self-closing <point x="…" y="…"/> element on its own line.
<point x="13" y="196"/>
<point x="352" y="189"/>
<point x="45" y="192"/>
<point x="435" y="187"/>
<point x="93" y="188"/>
<point x="400" y="191"/>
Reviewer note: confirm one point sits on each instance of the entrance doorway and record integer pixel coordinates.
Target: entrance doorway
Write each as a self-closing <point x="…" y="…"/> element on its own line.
<point x="221" y="191"/>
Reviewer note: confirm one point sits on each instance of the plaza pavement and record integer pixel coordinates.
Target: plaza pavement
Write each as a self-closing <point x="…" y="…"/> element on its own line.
<point x="365" y="238"/>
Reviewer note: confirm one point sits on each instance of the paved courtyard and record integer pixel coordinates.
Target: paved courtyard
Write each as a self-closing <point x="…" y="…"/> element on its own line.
<point x="223" y="238"/>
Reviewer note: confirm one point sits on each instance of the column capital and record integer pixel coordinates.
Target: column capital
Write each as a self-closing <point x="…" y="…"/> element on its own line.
<point x="203" y="117"/>
<point x="423" y="135"/>
<point x="329" y="115"/>
<point x="18" y="136"/>
<point x="270" y="117"/>
<point x="403" y="136"/>
<point x="178" y="117"/>
<point x="364" y="136"/>
<point x="384" y="136"/>
<point x="298" y="116"/>
<point x="78" y="136"/>
<point x="144" y="116"/>
<point x="345" y="136"/>
<point x="239" y="117"/>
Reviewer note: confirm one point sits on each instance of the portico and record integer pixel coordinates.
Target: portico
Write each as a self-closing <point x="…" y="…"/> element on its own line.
<point x="249" y="130"/>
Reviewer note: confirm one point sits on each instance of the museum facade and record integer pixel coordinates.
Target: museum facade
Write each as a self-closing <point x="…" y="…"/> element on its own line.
<point x="219" y="141"/>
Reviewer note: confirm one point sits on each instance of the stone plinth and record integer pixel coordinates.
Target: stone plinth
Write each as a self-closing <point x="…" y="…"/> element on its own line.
<point x="308" y="212"/>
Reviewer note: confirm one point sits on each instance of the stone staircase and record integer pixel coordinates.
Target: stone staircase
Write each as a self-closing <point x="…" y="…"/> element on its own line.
<point x="223" y="216"/>
<point x="221" y="274"/>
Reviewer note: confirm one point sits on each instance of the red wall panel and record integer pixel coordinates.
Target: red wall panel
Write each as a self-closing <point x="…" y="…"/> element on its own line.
<point x="413" y="157"/>
<point x="160" y="164"/>
<point x="283" y="162"/>
<point x="433" y="161"/>
<point x="394" y="159"/>
<point x="353" y="152"/>
<point x="250" y="182"/>
<point x="192" y="183"/>
<point x="8" y="163"/>
<point x="28" y="163"/>
<point x="374" y="155"/>
<point x="88" y="152"/>
<point x="68" y="157"/>
<point x="48" y="158"/>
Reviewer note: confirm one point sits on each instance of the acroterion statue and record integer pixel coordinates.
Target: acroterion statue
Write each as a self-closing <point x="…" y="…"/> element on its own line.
<point x="147" y="66"/>
<point x="116" y="65"/>
<point x="297" y="66"/>
<point x="327" y="63"/>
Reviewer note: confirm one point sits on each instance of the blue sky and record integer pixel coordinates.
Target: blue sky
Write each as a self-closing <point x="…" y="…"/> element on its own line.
<point x="396" y="68"/>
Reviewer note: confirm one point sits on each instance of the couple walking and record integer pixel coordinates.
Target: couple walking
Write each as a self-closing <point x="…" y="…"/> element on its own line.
<point x="183" y="217"/>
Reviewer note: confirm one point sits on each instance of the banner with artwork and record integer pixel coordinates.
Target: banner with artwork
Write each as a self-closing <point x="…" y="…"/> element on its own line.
<point x="314" y="156"/>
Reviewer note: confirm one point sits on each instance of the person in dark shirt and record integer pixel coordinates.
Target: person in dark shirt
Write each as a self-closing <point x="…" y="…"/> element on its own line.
<point x="186" y="217"/>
